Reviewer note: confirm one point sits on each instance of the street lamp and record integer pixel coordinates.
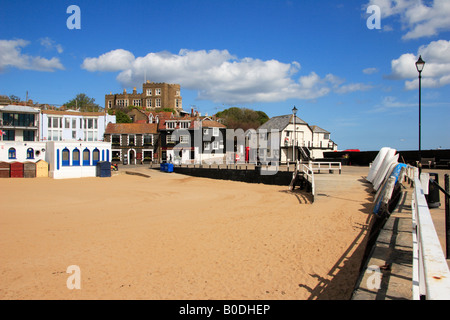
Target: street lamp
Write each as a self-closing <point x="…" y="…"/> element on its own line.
<point x="294" y="112"/>
<point x="420" y="64"/>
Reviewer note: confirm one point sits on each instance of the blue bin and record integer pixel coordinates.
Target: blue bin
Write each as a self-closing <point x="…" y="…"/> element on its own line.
<point x="169" y="167"/>
<point x="161" y="167"/>
<point x="103" y="169"/>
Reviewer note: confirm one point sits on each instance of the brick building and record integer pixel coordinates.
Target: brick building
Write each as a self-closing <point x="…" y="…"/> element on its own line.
<point x="153" y="96"/>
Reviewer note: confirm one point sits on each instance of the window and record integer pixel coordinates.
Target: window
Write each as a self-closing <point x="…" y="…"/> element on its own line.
<point x="206" y="145"/>
<point x="158" y="92"/>
<point x="169" y="139"/>
<point x="86" y="157"/>
<point x="148" y="139"/>
<point x="65" y="157"/>
<point x="149" y="92"/>
<point x="28" y="135"/>
<point x="131" y="140"/>
<point x="158" y="103"/>
<point x="95" y="156"/>
<point x="11" y="153"/>
<point x="326" y="136"/>
<point x="177" y="93"/>
<point x="76" y="157"/>
<point x="74" y="135"/>
<point x="10" y="135"/>
<point x="184" y="139"/>
<point x="178" y="103"/>
<point x="74" y="123"/>
<point x="149" y="103"/>
<point x="215" y="145"/>
<point x="30" y="153"/>
<point x="215" y="132"/>
<point x="55" y="135"/>
<point x="170" y="124"/>
<point x="90" y="129"/>
<point x="109" y="104"/>
<point x="137" y="102"/>
<point x="67" y="123"/>
<point x="18" y="119"/>
<point x="205" y="131"/>
<point x="184" y="124"/>
<point x="115" y="140"/>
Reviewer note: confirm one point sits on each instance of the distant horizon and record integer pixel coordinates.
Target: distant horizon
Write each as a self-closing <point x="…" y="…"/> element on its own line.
<point x="348" y="66"/>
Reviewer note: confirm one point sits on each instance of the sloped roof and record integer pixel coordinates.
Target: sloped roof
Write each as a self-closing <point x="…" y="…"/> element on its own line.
<point x="131" y="128"/>
<point x="281" y="122"/>
<point x="212" y="124"/>
<point x="17" y="108"/>
<point x="317" y="129"/>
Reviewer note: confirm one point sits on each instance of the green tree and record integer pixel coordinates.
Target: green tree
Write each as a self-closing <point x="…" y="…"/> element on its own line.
<point x="83" y="103"/>
<point x="122" y="117"/>
<point x="14" y="98"/>
<point x="242" y="118"/>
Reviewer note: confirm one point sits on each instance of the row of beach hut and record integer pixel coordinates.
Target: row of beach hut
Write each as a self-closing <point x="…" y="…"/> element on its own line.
<point x="37" y="169"/>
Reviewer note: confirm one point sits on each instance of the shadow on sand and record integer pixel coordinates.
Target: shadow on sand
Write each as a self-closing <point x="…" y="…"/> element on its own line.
<point x="343" y="271"/>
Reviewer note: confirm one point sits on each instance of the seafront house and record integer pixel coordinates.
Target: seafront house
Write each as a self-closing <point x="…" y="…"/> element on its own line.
<point x="73" y="125"/>
<point x="302" y="142"/>
<point x="19" y="134"/>
<point x="132" y="143"/>
<point x="191" y="140"/>
<point x="153" y="96"/>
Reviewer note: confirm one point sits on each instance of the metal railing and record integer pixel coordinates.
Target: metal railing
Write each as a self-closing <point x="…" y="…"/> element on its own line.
<point x="431" y="275"/>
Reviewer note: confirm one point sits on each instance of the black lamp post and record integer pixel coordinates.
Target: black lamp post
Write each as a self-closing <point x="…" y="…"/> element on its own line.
<point x="294" y="112"/>
<point x="419" y="66"/>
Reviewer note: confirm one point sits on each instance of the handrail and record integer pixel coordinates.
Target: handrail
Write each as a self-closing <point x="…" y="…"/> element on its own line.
<point x="431" y="275"/>
<point x="329" y="164"/>
<point x="308" y="171"/>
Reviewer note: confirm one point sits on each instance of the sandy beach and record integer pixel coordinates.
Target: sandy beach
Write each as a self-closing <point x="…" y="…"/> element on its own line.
<point x="172" y="236"/>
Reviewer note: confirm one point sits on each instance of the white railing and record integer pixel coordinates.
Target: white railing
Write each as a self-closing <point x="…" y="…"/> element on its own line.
<point x="431" y="276"/>
<point x="309" y="174"/>
<point x="330" y="166"/>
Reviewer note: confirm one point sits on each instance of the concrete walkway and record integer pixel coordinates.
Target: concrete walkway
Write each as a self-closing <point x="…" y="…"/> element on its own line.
<point x="387" y="274"/>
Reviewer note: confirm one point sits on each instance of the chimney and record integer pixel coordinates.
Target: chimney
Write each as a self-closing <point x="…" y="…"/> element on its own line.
<point x="134" y="90"/>
<point x="124" y="91"/>
<point x="192" y="112"/>
<point x="148" y="81"/>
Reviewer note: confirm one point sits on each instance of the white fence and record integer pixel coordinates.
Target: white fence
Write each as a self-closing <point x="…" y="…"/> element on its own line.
<point x="431" y="276"/>
<point x="330" y="166"/>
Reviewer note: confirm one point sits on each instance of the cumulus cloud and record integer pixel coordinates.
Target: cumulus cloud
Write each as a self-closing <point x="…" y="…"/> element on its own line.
<point x="216" y="75"/>
<point x="418" y="18"/>
<point x="11" y="56"/>
<point x="437" y="66"/>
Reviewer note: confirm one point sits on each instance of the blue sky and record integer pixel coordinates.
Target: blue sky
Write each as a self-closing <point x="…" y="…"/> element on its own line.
<point x="358" y="83"/>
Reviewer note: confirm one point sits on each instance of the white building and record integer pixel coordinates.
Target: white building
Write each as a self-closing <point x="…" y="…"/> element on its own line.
<point x="73" y="125"/>
<point x="76" y="159"/>
<point x="22" y="151"/>
<point x="295" y="142"/>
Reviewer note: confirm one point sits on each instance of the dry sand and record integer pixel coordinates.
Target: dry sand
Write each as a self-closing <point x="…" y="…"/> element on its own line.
<point x="177" y="237"/>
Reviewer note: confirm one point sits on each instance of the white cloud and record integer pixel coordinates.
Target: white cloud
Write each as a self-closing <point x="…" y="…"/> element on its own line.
<point x="50" y="44"/>
<point x="419" y="19"/>
<point x="115" y="60"/>
<point x="437" y="66"/>
<point x="11" y="56"/>
<point x="216" y="75"/>
<point x="370" y="70"/>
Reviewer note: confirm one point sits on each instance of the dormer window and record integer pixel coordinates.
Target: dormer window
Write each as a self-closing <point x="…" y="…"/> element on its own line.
<point x="170" y="124"/>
